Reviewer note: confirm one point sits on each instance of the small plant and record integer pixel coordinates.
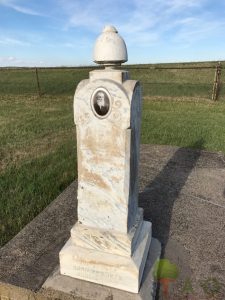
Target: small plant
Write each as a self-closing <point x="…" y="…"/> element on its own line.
<point x="211" y="287"/>
<point x="165" y="272"/>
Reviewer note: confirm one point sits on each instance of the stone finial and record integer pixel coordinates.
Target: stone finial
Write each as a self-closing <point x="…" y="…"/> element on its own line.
<point x="110" y="48"/>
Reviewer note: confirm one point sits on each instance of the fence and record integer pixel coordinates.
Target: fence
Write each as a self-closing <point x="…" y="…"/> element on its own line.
<point x="199" y="80"/>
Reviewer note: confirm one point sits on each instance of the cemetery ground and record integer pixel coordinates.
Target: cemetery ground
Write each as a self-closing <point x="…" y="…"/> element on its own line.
<point x="38" y="145"/>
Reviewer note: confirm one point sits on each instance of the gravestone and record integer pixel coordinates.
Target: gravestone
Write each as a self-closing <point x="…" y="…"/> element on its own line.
<point x="110" y="241"/>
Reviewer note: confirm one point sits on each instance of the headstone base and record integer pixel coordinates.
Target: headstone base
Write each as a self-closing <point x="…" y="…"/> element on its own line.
<point x="122" y="272"/>
<point x="57" y="283"/>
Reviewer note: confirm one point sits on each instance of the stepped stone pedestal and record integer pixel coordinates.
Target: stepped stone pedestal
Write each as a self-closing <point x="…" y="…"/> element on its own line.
<point x="109" y="243"/>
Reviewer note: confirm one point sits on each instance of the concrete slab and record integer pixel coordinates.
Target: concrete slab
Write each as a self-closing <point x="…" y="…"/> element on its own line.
<point x="187" y="212"/>
<point x="182" y="193"/>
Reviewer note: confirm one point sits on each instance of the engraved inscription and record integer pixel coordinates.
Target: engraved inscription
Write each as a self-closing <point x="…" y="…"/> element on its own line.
<point x="118" y="104"/>
<point x="92" y="273"/>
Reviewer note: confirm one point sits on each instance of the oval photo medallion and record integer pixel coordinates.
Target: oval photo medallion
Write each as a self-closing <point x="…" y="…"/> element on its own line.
<point x="101" y="103"/>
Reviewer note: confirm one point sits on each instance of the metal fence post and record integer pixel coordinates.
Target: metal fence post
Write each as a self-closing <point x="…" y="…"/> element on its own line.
<point x="38" y="83"/>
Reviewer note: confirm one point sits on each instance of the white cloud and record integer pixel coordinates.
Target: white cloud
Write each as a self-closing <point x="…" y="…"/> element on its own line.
<point x="12" y="42"/>
<point x="156" y="18"/>
<point x="9" y="60"/>
<point x="19" y="8"/>
<point x="19" y="62"/>
<point x="81" y="43"/>
<point x="91" y="15"/>
<point x="144" y="22"/>
<point x="197" y="29"/>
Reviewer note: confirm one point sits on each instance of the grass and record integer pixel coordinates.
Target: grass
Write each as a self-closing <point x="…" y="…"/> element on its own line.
<point x="192" y="124"/>
<point x="52" y="81"/>
<point x="29" y="187"/>
<point x="38" y="157"/>
<point x="37" y="135"/>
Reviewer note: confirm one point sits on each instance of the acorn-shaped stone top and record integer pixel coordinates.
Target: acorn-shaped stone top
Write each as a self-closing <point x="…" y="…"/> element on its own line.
<point x="110" y="48"/>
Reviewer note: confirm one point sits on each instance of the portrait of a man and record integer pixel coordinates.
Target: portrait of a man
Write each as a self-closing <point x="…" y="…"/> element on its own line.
<point x="101" y="103"/>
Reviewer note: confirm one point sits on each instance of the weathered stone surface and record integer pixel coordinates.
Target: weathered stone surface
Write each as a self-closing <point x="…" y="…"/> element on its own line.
<point x="122" y="272"/>
<point x="106" y="166"/>
<point x="119" y="76"/>
<point x="110" y="227"/>
<point x="110" y="47"/>
<point x="110" y="241"/>
<point x="88" y="290"/>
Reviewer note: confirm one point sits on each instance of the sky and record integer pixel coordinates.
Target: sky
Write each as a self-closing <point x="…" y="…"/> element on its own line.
<point x="63" y="32"/>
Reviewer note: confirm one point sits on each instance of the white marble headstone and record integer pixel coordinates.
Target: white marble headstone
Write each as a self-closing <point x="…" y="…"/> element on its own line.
<point x="110" y="241"/>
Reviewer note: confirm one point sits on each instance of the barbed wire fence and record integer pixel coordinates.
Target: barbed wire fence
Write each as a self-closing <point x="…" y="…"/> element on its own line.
<point x="157" y="80"/>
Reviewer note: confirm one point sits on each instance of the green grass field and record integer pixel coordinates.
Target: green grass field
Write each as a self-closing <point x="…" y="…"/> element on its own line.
<point x="37" y="135"/>
<point x="155" y="82"/>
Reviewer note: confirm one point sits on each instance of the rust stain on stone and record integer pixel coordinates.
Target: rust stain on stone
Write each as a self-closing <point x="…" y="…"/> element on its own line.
<point x="94" y="178"/>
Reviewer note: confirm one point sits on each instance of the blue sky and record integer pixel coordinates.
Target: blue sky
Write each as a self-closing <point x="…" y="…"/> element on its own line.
<point x="62" y="32"/>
